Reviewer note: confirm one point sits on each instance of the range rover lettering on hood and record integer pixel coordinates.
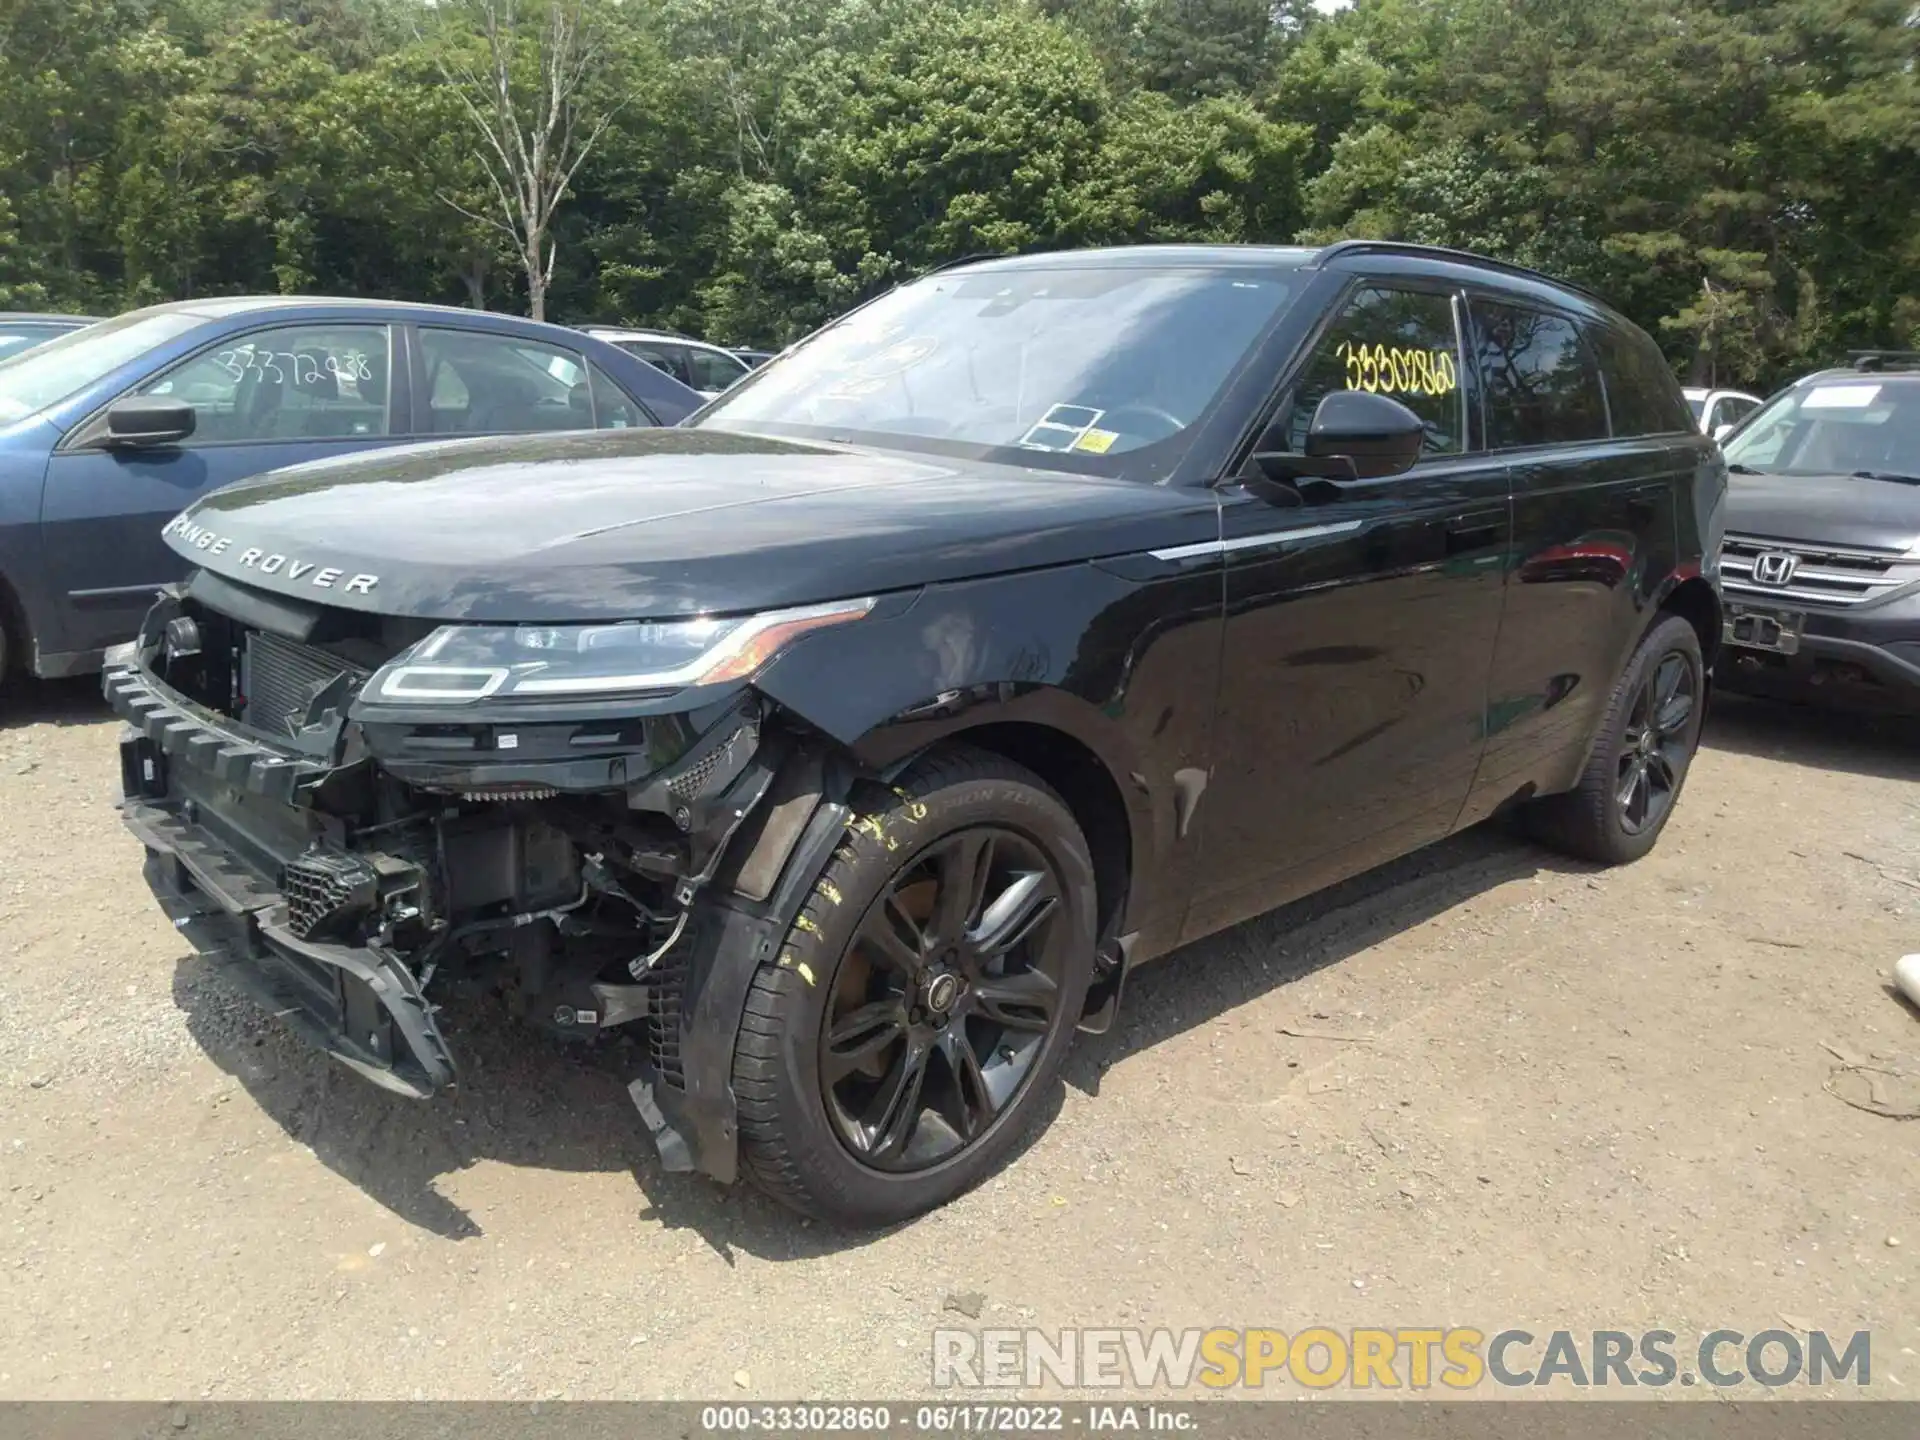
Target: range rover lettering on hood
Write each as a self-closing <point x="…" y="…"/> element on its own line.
<point x="270" y="562"/>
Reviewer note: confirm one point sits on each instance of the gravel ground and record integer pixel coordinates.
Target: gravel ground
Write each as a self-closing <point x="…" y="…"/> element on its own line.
<point x="1483" y="1086"/>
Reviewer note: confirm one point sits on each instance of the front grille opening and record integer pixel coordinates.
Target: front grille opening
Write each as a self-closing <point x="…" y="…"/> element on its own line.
<point x="1818" y="574"/>
<point x="270" y="681"/>
<point x="280" y="680"/>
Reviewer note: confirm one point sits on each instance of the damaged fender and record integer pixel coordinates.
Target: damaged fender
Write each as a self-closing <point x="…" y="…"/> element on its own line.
<point x="1048" y="660"/>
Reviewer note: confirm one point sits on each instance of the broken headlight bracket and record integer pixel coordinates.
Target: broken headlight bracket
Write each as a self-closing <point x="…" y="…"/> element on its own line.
<point x="708" y="794"/>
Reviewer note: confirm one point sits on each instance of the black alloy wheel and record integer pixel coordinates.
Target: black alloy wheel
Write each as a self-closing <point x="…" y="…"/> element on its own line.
<point x="1641" y="751"/>
<point x="1657" y="742"/>
<point x="945" y="999"/>
<point x="900" y="1044"/>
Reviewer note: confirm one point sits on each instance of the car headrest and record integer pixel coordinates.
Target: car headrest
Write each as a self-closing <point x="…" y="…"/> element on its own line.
<point x="315" y="373"/>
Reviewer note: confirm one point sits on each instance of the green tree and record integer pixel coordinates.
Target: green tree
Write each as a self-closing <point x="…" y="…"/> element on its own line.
<point x="531" y="86"/>
<point x="1194" y="48"/>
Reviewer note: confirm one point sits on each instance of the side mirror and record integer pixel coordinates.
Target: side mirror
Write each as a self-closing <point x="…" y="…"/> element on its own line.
<point x="1378" y="434"/>
<point x="1720" y="432"/>
<point x="1354" y="435"/>
<point x="142" y="420"/>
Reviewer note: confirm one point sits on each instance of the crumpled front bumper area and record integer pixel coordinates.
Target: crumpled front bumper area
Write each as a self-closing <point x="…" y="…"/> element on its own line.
<point x="360" y="1005"/>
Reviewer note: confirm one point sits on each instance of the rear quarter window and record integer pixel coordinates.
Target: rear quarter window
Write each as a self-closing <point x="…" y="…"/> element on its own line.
<point x="1642" y="393"/>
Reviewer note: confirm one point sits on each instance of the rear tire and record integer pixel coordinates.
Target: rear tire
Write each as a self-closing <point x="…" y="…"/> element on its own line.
<point x="1640" y="758"/>
<point x="922" y="1004"/>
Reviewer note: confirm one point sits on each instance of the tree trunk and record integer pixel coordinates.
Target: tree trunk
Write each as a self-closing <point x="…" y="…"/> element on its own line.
<point x="475" y="279"/>
<point x="536" y="276"/>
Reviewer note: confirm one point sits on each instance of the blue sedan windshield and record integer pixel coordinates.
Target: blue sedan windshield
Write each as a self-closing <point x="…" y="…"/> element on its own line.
<point x="48" y="374"/>
<point x="16" y="336"/>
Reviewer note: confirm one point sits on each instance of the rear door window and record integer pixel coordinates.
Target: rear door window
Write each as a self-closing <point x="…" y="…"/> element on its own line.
<point x="613" y="408"/>
<point x="486" y="384"/>
<point x="1540" y="381"/>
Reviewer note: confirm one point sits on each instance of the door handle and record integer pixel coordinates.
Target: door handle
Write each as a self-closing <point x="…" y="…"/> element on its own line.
<point x="1469" y="532"/>
<point x="1644" y="501"/>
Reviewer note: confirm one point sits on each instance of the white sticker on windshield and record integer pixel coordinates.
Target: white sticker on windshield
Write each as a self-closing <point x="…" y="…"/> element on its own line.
<point x="1840" y="397"/>
<point x="1063" y="427"/>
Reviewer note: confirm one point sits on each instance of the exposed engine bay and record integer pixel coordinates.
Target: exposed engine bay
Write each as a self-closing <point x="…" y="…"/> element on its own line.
<point x="352" y="860"/>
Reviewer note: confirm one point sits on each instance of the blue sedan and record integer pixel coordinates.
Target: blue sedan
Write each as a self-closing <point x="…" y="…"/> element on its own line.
<point x="107" y="433"/>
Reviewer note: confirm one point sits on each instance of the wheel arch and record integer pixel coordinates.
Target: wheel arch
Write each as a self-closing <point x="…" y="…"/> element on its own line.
<point x="1081" y="779"/>
<point x="1079" y="752"/>
<point x="1695" y="601"/>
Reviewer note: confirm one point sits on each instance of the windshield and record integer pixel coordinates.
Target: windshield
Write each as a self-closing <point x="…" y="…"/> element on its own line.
<point x="1849" y="425"/>
<point x="1098" y="369"/>
<point x="18" y="335"/>
<point x="48" y="374"/>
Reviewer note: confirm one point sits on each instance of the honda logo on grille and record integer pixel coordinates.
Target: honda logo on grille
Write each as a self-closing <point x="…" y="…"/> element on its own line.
<point x="1775" y="567"/>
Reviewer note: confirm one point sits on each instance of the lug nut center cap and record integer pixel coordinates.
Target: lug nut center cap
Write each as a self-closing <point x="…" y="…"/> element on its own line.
<point x="942" y="991"/>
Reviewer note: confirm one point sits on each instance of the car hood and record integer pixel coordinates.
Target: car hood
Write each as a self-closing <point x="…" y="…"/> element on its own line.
<point x="653" y="523"/>
<point x="1840" y="510"/>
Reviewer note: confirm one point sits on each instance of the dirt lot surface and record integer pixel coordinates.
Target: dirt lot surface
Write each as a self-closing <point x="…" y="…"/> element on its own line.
<point x="1569" y="1099"/>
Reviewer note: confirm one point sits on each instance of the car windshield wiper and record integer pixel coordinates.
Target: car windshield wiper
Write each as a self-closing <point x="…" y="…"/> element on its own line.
<point x="1893" y="475"/>
<point x="1737" y="468"/>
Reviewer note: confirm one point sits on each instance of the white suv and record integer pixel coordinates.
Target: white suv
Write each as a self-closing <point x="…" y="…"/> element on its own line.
<point x="1718" y="411"/>
<point x="706" y="368"/>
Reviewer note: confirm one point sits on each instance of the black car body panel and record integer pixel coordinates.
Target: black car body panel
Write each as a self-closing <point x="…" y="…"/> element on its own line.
<point x="1242" y="688"/>
<point x="626" y="524"/>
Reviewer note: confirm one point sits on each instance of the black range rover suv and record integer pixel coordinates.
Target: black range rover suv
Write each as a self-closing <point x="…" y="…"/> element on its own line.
<point x="854" y="741"/>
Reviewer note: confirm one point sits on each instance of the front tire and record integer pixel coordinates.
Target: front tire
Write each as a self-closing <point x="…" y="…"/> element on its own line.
<point x="1640" y="758"/>
<point x="922" y="1004"/>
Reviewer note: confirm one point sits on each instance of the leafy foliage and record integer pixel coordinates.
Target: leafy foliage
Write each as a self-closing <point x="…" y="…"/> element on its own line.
<point x="1741" y="176"/>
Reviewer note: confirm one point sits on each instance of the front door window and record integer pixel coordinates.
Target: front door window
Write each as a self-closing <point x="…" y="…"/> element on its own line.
<point x="300" y="382"/>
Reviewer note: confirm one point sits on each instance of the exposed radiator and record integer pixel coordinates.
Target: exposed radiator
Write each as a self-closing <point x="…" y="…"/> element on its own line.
<point x="282" y="678"/>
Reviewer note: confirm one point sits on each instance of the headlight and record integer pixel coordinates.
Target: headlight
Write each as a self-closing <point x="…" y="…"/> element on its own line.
<point x="460" y="663"/>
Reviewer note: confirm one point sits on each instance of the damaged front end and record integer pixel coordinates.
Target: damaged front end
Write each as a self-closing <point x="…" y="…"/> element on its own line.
<point x="351" y="812"/>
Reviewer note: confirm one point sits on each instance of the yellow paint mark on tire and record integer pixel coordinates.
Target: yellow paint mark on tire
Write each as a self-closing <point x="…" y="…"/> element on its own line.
<point x="829" y="890"/>
<point x="806" y="974"/>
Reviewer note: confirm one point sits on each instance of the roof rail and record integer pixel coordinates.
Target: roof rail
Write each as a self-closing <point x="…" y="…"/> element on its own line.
<point x="1464" y="257"/>
<point x="1884" y="359"/>
<point x="971" y="258"/>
